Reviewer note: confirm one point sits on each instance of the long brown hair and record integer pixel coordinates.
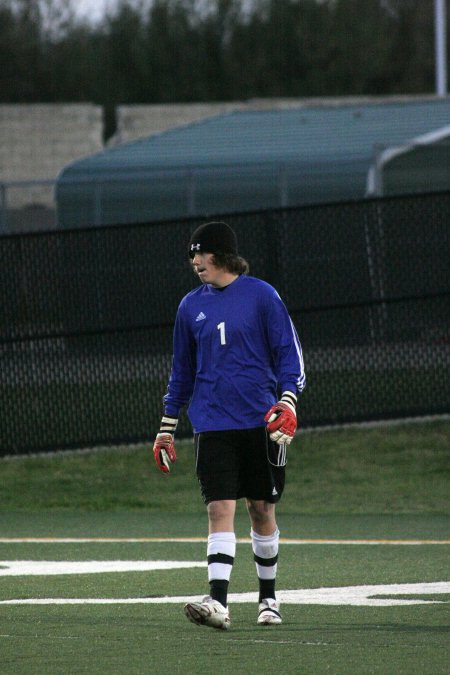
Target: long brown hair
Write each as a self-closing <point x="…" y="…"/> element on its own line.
<point x="230" y="262"/>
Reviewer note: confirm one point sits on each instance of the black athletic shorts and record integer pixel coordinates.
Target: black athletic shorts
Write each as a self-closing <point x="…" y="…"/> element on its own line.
<point x="239" y="463"/>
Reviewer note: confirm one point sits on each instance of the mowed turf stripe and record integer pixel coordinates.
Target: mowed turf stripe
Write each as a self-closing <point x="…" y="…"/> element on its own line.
<point x="195" y="540"/>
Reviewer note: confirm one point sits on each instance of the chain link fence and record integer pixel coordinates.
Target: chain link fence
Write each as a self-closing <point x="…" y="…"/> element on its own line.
<point x="86" y="317"/>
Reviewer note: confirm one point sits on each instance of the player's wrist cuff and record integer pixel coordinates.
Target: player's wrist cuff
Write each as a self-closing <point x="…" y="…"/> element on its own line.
<point x="290" y="399"/>
<point x="168" y="424"/>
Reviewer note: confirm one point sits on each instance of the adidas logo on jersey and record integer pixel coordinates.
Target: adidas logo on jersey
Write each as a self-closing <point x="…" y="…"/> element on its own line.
<point x="201" y="317"/>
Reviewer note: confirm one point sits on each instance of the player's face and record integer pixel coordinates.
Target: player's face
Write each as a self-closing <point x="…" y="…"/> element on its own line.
<point x="206" y="271"/>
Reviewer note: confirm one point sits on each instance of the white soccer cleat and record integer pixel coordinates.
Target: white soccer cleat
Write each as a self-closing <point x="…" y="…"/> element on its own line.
<point x="208" y="612"/>
<point x="269" y="612"/>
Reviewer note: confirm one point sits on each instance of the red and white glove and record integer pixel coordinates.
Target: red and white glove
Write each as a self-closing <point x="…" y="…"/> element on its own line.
<point x="281" y="419"/>
<point x="164" y="447"/>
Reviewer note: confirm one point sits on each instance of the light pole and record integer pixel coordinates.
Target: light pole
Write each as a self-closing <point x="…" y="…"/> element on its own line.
<point x="440" y="41"/>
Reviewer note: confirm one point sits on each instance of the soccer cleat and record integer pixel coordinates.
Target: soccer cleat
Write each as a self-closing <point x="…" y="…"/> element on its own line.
<point x="208" y="612"/>
<point x="269" y="612"/>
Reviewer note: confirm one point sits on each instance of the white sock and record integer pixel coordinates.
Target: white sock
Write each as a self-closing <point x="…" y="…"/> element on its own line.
<point x="265" y="554"/>
<point x="221" y="552"/>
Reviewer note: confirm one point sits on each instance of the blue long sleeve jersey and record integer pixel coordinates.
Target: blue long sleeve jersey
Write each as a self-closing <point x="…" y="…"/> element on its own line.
<point x="235" y="349"/>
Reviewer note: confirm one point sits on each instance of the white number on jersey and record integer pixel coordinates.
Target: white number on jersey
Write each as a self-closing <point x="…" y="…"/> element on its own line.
<point x="221" y="328"/>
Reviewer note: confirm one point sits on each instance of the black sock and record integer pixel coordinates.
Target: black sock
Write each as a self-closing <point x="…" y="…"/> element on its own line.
<point x="219" y="590"/>
<point x="266" y="589"/>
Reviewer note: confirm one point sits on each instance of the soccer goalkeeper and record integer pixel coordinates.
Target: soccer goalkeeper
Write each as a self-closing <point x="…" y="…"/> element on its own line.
<point x="237" y="363"/>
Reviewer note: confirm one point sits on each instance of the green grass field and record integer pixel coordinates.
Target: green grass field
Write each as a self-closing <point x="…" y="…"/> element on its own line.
<point x="362" y="507"/>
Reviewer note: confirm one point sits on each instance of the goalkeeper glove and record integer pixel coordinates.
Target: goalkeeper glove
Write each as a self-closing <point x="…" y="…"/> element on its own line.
<point x="282" y="419"/>
<point x="163" y="447"/>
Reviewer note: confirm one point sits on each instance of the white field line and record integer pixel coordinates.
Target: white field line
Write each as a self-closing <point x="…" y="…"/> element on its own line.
<point x="22" y="568"/>
<point x="347" y="595"/>
<point x="202" y="540"/>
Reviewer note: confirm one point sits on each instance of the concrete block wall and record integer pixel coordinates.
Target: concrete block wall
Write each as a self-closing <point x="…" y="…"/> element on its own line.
<point x="140" y="120"/>
<point x="38" y="140"/>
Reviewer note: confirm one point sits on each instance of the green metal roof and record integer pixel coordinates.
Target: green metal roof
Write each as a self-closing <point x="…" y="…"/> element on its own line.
<point x="241" y="160"/>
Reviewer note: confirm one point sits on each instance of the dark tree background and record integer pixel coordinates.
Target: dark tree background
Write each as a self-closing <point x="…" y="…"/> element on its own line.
<point x="189" y="50"/>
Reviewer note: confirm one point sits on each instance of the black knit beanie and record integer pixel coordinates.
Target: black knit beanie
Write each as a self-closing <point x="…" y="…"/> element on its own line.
<point x="215" y="237"/>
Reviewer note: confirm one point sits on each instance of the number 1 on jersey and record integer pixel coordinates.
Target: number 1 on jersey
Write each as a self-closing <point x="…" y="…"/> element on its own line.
<point x="221" y="328"/>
